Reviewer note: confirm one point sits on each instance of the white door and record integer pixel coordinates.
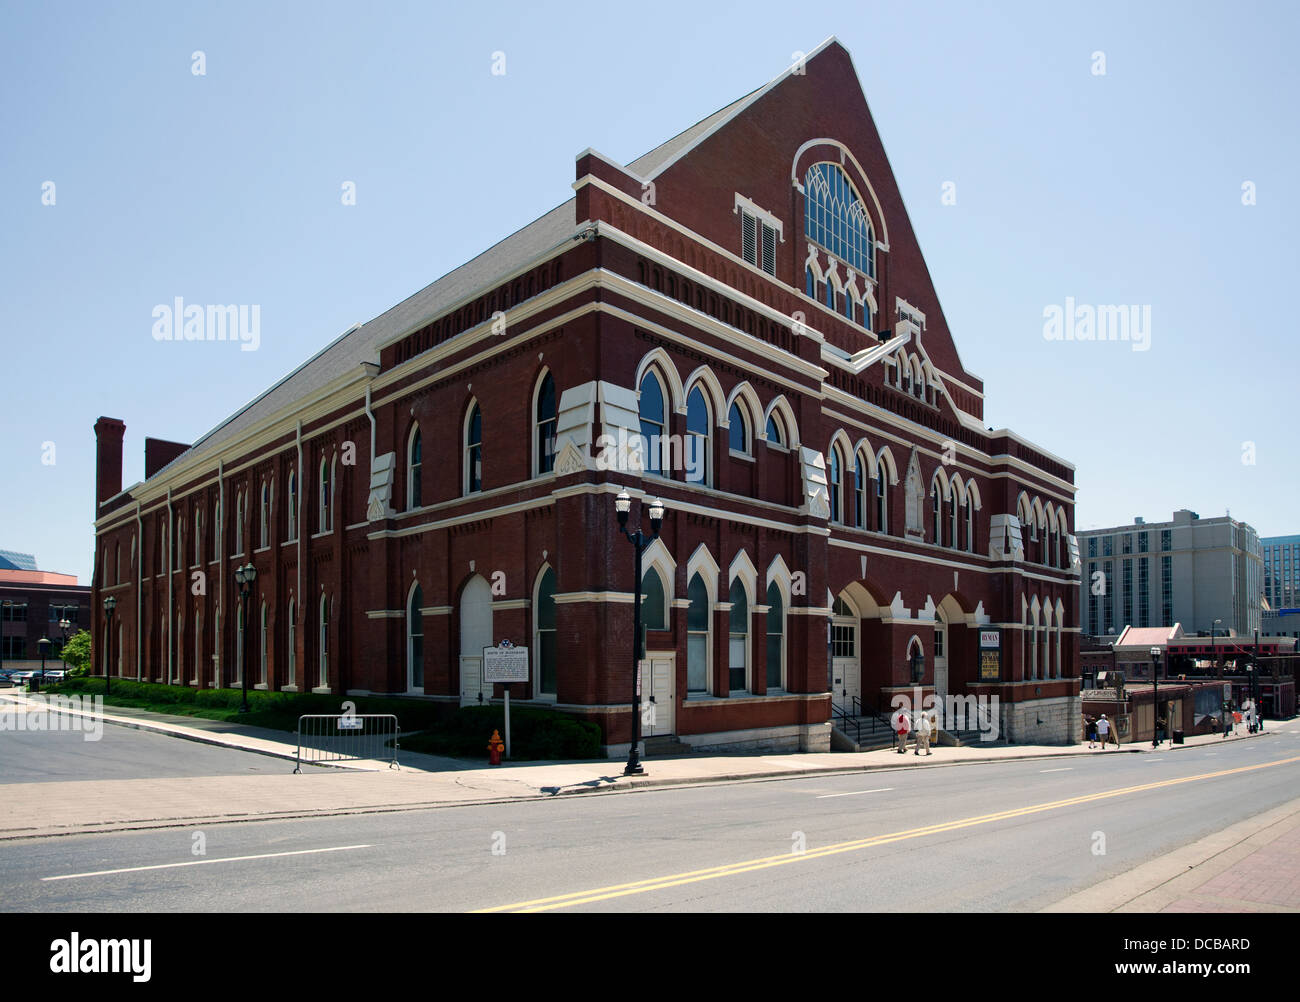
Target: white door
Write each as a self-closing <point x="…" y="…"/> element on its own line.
<point x="475" y="634"/>
<point x="847" y="679"/>
<point x="659" y="695"/>
<point x="471" y="674"/>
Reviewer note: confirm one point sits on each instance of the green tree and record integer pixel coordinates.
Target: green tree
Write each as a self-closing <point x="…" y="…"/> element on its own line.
<point x="77" y="652"/>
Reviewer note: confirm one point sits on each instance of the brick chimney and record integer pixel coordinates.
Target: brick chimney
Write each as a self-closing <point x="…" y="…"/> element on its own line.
<point x="109" y="433"/>
<point x="158" y="453"/>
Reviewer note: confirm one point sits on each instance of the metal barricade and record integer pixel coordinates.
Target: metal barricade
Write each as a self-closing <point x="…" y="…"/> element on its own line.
<point x="352" y="737"/>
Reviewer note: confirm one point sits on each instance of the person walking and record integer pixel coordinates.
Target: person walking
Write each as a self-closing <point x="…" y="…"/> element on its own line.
<point x="1090" y="726"/>
<point x="1103" y="730"/>
<point x="923" y="730"/>
<point x="900" y="726"/>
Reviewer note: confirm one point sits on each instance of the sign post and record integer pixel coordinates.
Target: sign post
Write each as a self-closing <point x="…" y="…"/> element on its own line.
<point x="505" y="663"/>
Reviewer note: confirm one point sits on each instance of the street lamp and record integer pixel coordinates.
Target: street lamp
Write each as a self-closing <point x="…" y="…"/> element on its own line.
<point x="1155" y="697"/>
<point x="244" y="577"/>
<point x="44" y="645"/>
<point x="63" y="625"/>
<point x="110" y="604"/>
<point x="640" y="543"/>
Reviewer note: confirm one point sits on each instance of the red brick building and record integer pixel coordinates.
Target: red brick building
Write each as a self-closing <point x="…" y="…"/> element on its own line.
<point x="750" y="294"/>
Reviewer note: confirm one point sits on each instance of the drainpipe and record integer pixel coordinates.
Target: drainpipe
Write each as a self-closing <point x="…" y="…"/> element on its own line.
<point x="221" y="583"/>
<point x="139" y="591"/>
<point x="370" y="415"/>
<point x="171" y="559"/>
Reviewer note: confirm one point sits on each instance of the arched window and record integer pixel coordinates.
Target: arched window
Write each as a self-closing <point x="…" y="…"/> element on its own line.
<point x="653" y="429"/>
<point x="293" y="505"/>
<point x="548" y="656"/>
<point x="414" y="450"/>
<point x="216" y="531"/>
<point x="323" y="641"/>
<point x="326" y="519"/>
<point x="775" y="638"/>
<point x="810" y="282"/>
<point x="952" y="517"/>
<point x="775" y="434"/>
<point x="117" y="561"/>
<point x="906" y="375"/>
<point x="415" y="641"/>
<point x="178" y="550"/>
<point x="868" y="321"/>
<point x="882" y="511"/>
<point x="938" y="514"/>
<point x="546" y="412"/>
<point x="848" y="306"/>
<point x="293" y="644"/>
<point x="698" y="623"/>
<point x="835" y="218"/>
<point x="198" y="537"/>
<point x="737" y="430"/>
<point x="835" y="480"/>
<point x="738" y="639"/>
<point x="266" y="515"/>
<point x="261" y="677"/>
<point x="654" y="615"/>
<point x="859" y="492"/>
<point x="474" y="451"/>
<point x="698" y="422"/>
<point x="970" y="526"/>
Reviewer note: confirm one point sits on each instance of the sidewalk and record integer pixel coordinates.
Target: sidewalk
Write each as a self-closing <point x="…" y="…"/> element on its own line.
<point x="424" y="781"/>
<point x="1252" y="866"/>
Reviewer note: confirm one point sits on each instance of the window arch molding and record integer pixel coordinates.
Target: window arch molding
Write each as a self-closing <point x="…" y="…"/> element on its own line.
<point x="662" y="365"/>
<point x="471" y="451"/>
<point x="743" y="395"/>
<point x="414" y="467"/>
<point x="781" y="408"/>
<point x="809" y="154"/>
<point x="717" y="400"/>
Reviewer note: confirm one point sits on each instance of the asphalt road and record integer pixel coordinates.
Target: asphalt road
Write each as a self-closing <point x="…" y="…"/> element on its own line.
<point x="1006" y="837"/>
<point x="122" y="753"/>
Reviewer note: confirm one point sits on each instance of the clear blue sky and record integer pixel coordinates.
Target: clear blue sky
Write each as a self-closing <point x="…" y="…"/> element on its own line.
<point x="1124" y="188"/>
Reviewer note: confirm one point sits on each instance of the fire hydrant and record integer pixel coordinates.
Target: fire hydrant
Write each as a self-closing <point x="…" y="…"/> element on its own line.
<point x="495" y="747"/>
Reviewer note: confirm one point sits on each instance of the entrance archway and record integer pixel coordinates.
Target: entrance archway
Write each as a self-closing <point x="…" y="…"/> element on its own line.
<point x="475" y="621"/>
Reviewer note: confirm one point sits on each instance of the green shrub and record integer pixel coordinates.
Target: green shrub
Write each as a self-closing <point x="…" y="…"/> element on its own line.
<point x="534" y="734"/>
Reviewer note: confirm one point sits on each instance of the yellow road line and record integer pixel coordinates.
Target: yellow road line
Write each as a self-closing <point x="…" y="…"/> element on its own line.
<point x="746" y="866"/>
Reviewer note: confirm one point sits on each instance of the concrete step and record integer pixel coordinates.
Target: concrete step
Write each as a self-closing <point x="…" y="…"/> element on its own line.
<point x="664" y="745"/>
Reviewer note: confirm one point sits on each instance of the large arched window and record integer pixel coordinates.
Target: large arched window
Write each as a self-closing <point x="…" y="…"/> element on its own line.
<point x="548" y="657"/>
<point x="738" y="638"/>
<point x="414" y="461"/>
<point x="970" y="526"/>
<point x="545" y="412"/>
<point x="698" y="622"/>
<point x="652" y="422"/>
<point x="198" y="537"/>
<point x="835" y="218"/>
<point x="415" y="641"/>
<point x="474" y="450"/>
<point x="775" y="434"/>
<point x="698" y="422"/>
<point x="775" y="638"/>
<point x="836" y="479"/>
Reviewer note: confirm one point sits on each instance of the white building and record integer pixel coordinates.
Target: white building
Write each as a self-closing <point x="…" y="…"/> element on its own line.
<point x="1205" y="573"/>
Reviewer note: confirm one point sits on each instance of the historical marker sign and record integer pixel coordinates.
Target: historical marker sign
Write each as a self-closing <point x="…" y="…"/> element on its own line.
<point x="505" y="664"/>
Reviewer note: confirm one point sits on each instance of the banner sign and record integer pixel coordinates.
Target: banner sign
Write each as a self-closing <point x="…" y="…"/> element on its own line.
<point x="990" y="655"/>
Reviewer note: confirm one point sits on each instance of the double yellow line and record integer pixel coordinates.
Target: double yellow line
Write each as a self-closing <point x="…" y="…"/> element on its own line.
<point x="747" y="866"/>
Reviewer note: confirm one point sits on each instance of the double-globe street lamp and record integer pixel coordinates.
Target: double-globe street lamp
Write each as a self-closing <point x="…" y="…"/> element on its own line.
<point x="64" y="623"/>
<point x="1155" y="697"/>
<point x="110" y="604"/>
<point x="640" y="543"/>
<point x="244" y="577"/>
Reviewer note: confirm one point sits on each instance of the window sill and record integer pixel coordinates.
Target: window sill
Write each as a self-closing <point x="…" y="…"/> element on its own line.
<point x="741" y="455"/>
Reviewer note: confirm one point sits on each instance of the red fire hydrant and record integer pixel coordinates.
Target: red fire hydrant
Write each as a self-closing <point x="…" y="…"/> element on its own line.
<point x="495" y="747"/>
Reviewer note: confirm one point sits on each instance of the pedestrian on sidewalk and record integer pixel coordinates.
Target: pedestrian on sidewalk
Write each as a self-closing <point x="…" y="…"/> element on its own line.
<point x="923" y="729"/>
<point x="1090" y="728"/>
<point x="1103" y="730"/>
<point x="900" y="727"/>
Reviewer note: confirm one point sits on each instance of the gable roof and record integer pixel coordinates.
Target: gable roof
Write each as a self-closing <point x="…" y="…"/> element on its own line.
<point x="361" y="343"/>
